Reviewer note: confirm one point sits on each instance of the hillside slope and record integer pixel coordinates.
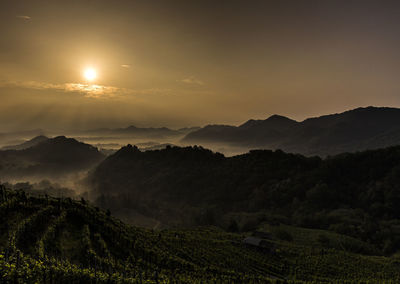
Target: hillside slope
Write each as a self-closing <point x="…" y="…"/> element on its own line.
<point x="51" y="240"/>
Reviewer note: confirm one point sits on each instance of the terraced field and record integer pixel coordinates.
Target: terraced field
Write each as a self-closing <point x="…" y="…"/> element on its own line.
<point x="54" y="240"/>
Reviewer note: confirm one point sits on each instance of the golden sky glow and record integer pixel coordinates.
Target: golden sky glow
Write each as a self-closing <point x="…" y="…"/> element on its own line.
<point x="181" y="63"/>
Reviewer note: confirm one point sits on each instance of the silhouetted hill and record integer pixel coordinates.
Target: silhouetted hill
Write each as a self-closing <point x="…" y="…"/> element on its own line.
<point x="56" y="156"/>
<point x="276" y="122"/>
<point x="350" y="131"/>
<point x="167" y="172"/>
<point x="27" y="144"/>
<point x="194" y="185"/>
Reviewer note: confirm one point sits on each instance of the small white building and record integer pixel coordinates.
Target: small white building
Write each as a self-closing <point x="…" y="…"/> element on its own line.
<point x="258" y="243"/>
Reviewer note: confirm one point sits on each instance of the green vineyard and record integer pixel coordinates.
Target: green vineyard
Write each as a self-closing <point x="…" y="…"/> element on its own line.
<point x="60" y="240"/>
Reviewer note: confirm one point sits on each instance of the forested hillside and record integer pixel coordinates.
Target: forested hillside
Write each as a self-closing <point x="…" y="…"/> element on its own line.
<point x="54" y="240"/>
<point x="354" y="194"/>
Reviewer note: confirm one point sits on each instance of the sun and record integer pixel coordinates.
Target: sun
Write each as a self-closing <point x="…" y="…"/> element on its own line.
<point x="90" y="74"/>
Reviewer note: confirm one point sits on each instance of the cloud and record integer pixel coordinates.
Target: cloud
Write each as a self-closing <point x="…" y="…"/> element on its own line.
<point x="126" y="66"/>
<point x="89" y="91"/>
<point x="26" y="18"/>
<point x="192" y="80"/>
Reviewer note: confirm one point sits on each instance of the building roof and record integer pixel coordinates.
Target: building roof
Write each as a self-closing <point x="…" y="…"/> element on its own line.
<point x="252" y="241"/>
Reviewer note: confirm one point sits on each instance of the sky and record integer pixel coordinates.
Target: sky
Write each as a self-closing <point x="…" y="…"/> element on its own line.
<point x="192" y="63"/>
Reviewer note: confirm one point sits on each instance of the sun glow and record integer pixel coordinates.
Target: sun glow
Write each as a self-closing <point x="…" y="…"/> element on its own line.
<point x="90" y="74"/>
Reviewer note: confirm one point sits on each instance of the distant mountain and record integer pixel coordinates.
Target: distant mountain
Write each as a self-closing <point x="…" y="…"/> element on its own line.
<point x="133" y="131"/>
<point x="27" y="144"/>
<point x="274" y="122"/>
<point x="18" y="137"/>
<point x="350" y="131"/>
<point x="55" y="156"/>
<point x="355" y="194"/>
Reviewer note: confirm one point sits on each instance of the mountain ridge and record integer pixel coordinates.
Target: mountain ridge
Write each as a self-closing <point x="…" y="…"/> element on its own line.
<point x="349" y="131"/>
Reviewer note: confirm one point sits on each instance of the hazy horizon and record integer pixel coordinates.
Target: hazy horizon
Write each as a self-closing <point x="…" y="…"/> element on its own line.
<point x="75" y="131"/>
